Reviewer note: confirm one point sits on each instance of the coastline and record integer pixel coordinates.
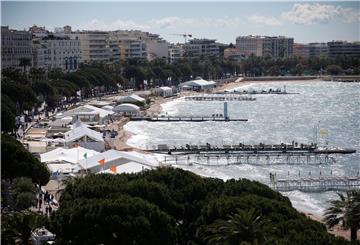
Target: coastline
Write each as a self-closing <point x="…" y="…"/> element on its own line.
<point x="155" y="109"/>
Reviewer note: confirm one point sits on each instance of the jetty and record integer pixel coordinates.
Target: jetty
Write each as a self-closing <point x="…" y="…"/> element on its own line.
<point x="185" y="119"/>
<point x="318" y="184"/>
<point x="258" y="149"/>
<point x="219" y="97"/>
<point x="217" y="160"/>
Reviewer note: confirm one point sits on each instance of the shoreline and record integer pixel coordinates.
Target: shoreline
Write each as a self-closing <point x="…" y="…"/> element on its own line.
<point x="155" y="109"/>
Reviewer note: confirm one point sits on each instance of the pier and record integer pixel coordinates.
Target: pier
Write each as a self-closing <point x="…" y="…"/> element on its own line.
<point x="318" y="184"/>
<point x="259" y="149"/>
<point x="218" y="160"/>
<point x="255" y="92"/>
<point x="187" y="119"/>
<point x="219" y="97"/>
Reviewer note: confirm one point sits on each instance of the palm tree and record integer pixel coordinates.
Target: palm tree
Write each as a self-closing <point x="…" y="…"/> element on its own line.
<point x="345" y="212"/>
<point x="245" y="226"/>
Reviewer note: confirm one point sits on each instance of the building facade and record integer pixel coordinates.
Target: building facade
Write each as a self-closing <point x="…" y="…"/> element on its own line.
<point x="16" y="48"/>
<point x="318" y="50"/>
<point x="301" y="50"/>
<point x="343" y="48"/>
<point x="55" y="52"/>
<point x="93" y="45"/>
<point x="176" y="52"/>
<point x="233" y="54"/>
<point x="265" y="46"/>
<point x="198" y="47"/>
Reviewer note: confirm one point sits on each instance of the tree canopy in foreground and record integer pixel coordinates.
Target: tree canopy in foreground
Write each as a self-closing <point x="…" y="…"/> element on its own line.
<point x="173" y="206"/>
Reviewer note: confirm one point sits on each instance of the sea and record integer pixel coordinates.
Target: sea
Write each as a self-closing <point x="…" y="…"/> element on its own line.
<point x="330" y="107"/>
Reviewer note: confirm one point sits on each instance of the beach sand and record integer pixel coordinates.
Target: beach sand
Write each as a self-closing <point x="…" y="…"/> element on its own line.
<point x="336" y="230"/>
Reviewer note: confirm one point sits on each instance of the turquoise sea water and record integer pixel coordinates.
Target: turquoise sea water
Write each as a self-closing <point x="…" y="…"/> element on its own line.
<point x="272" y="119"/>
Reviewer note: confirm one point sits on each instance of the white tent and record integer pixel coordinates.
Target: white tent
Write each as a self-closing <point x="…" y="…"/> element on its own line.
<point x="116" y="158"/>
<point x="198" y="84"/>
<point x="128" y="109"/>
<point x="108" y="108"/>
<point x="163" y="91"/>
<point x="84" y="136"/>
<point x="61" y="122"/>
<point x="87" y="110"/>
<point x="128" y="168"/>
<point x="72" y="155"/>
<point x="131" y="98"/>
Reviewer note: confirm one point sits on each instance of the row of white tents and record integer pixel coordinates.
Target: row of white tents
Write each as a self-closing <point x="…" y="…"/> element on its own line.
<point x="74" y="160"/>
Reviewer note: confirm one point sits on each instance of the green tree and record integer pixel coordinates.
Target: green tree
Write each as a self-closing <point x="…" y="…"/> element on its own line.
<point x="16" y="161"/>
<point x="24" y="192"/>
<point x="345" y="212"/>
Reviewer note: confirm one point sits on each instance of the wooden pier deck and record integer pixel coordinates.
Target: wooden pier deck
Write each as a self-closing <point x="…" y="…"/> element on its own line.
<point x="255" y="92"/>
<point x="215" y="97"/>
<point x="318" y="184"/>
<point x="187" y="119"/>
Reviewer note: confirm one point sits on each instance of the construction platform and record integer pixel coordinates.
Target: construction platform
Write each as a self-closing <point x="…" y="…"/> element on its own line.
<point x="318" y="184"/>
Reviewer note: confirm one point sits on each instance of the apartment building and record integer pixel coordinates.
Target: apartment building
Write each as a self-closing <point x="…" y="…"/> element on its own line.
<point x="318" y="50"/>
<point x="275" y="47"/>
<point x="343" y="48"/>
<point x="93" y="45"/>
<point x="301" y="50"/>
<point x="175" y="52"/>
<point x="57" y="52"/>
<point x="15" y="46"/>
<point x="233" y="54"/>
<point x="198" y="47"/>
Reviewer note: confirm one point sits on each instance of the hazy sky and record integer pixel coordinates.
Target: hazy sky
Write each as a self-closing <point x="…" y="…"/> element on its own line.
<point x="224" y="21"/>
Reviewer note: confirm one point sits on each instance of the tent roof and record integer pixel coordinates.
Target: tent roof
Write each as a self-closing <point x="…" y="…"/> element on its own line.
<point x="126" y="107"/>
<point x="62" y="167"/>
<point x="131" y="167"/>
<point x="198" y="82"/>
<point x="87" y="109"/>
<point x="131" y="98"/>
<point x="114" y="157"/>
<point x="72" y="155"/>
<point x="80" y="130"/>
